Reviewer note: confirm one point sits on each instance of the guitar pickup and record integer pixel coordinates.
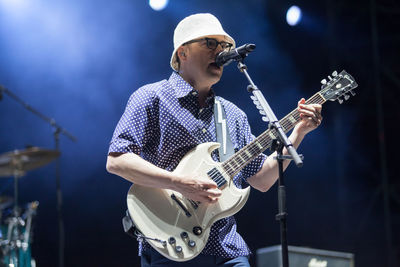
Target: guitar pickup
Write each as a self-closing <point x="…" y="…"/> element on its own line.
<point x="187" y="213"/>
<point x="217" y="177"/>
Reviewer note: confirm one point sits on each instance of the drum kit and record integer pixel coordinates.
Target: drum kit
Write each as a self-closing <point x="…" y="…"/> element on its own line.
<point x="15" y="220"/>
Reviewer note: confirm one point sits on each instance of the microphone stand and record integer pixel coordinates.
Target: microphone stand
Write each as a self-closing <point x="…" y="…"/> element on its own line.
<point x="277" y="145"/>
<point x="57" y="130"/>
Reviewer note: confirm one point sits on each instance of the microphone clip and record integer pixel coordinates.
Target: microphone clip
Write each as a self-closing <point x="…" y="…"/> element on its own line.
<point x="238" y="54"/>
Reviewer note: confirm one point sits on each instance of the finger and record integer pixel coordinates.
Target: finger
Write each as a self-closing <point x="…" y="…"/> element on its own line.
<point x="206" y="184"/>
<point x="310" y="118"/>
<point x="213" y="200"/>
<point x="215" y="192"/>
<point x="311" y="108"/>
<point x="307" y="113"/>
<point x="207" y="199"/>
<point x="315" y="109"/>
<point x="301" y="101"/>
<point x="318" y="107"/>
<point x="210" y="193"/>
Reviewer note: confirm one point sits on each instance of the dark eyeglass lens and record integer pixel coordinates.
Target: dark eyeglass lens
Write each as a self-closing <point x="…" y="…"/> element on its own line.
<point x="212" y="43"/>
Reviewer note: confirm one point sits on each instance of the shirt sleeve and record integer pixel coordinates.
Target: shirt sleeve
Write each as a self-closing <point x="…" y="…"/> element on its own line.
<point x="255" y="165"/>
<point x="136" y="124"/>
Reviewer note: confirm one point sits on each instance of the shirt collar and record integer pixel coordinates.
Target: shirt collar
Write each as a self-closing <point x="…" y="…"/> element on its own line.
<point x="183" y="88"/>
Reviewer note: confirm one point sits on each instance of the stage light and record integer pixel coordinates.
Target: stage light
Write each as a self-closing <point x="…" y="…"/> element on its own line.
<point x="158" y="5"/>
<point x="14" y="7"/>
<point x="293" y="15"/>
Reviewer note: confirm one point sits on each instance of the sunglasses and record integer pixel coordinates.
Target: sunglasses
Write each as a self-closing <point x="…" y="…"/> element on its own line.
<point x="212" y="43"/>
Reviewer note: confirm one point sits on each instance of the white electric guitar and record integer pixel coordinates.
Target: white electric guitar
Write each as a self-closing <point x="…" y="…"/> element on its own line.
<point x="178" y="227"/>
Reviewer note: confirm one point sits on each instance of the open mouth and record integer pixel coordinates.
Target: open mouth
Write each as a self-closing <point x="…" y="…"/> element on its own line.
<point x="214" y="65"/>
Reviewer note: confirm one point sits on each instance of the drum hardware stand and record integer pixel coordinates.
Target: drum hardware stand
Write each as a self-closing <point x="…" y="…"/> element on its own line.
<point x="281" y="141"/>
<point x="57" y="130"/>
<point x="15" y="240"/>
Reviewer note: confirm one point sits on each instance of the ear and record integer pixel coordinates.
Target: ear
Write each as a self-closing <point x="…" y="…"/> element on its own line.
<point x="181" y="53"/>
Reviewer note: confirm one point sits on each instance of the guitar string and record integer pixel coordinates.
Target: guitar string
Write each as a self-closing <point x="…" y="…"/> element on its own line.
<point x="286" y="125"/>
<point x="265" y="140"/>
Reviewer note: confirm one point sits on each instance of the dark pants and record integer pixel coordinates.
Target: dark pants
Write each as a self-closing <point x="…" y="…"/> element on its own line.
<point x="151" y="258"/>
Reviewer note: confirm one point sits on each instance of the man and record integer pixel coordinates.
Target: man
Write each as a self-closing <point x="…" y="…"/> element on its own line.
<point x="164" y="120"/>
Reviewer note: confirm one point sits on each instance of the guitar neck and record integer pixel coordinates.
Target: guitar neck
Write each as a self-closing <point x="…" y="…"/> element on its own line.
<point x="239" y="160"/>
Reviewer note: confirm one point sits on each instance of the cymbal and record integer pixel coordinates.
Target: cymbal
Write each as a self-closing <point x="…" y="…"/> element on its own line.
<point x="19" y="161"/>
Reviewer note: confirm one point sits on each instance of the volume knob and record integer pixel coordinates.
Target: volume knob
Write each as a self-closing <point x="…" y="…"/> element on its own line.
<point x="184" y="235"/>
<point x="191" y="243"/>
<point x="171" y="241"/>
<point x="178" y="249"/>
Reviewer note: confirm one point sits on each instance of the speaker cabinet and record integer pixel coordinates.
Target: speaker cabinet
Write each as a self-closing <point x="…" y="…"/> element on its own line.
<point x="303" y="257"/>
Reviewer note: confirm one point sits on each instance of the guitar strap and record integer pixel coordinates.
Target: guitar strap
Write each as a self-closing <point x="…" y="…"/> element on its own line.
<point x="221" y="129"/>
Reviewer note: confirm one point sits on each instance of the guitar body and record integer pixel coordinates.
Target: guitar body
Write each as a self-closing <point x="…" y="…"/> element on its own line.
<point x="157" y="215"/>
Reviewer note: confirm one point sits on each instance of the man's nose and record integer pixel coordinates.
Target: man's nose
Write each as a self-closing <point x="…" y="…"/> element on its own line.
<point x="218" y="50"/>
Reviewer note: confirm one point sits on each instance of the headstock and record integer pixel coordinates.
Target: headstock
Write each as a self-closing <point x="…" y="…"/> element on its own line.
<point x="338" y="87"/>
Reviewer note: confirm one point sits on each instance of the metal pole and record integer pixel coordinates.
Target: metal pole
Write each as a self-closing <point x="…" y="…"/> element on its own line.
<point x="381" y="133"/>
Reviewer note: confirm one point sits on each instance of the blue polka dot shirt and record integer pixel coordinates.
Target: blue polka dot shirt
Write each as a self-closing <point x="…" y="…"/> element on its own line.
<point x="163" y="121"/>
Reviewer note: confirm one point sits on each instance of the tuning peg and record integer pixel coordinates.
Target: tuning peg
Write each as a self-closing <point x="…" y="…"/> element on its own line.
<point x="262" y="112"/>
<point x="334" y="74"/>
<point x="340" y="100"/>
<point x="265" y="119"/>
<point x="346" y="97"/>
<point x="252" y="97"/>
<point x="323" y="81"/>
<point x="330" y="78"/>
<point x="352" y="93"/>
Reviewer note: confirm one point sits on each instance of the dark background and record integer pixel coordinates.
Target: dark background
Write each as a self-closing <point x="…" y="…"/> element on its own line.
<point x="79" y="61"/>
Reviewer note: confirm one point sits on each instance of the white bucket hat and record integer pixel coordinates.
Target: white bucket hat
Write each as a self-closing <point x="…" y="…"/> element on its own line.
<point x="193" y="27"/>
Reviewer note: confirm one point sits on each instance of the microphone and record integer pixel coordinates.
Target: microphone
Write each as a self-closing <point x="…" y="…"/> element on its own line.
<point x="239" y="53"/>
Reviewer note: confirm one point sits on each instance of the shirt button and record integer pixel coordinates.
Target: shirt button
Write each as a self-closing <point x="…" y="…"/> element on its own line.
<point x="204" y="130"/>
<point x="194" y="93"/>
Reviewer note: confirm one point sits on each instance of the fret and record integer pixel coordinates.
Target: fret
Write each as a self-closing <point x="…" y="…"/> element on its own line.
<point x="244" y="156"/>
<point x="292" y="119"/>
<point x="271" y="134"/>
<point x="238" y="161"/>
<point x="233" y="164"/>
<point x="230" y="166"/>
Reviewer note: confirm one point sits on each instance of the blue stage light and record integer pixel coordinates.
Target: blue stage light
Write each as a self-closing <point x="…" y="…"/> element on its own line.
<point x="158" y="5"/>
<point x="293" y="15"/>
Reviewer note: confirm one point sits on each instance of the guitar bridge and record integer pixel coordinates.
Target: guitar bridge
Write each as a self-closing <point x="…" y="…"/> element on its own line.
<point x="180" y="204"/>
<point x="195" y="204"/>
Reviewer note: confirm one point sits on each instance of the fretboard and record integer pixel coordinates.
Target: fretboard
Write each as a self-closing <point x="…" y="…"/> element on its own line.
<point x="239" y="160"/>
